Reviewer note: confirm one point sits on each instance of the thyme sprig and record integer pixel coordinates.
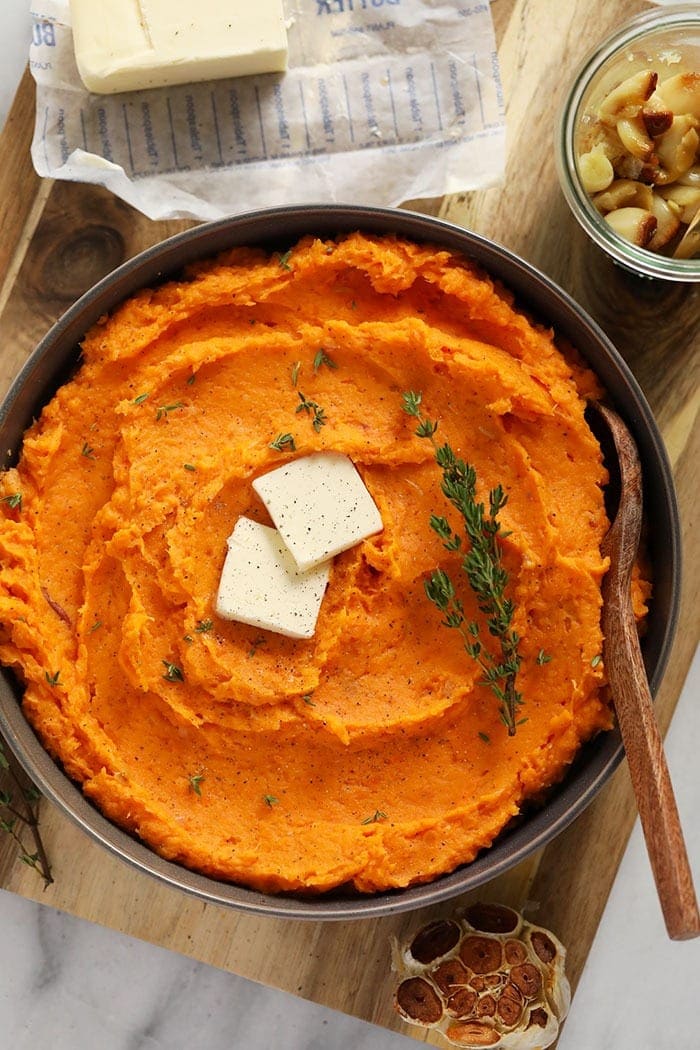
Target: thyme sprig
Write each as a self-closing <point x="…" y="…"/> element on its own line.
<point x="19" y="805"/>
<point x="312" y="408"/>
<point x="482" y="565"/>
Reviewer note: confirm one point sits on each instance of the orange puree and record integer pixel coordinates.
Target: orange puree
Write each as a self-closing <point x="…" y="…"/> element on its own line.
<point x="370" y="754"/>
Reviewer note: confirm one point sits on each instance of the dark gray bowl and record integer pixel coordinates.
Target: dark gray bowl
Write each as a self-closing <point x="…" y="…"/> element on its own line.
<point x="278" y="228"/>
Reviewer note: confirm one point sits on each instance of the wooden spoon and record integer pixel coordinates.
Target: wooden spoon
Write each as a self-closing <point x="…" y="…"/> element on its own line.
<point x="633" y="703"/>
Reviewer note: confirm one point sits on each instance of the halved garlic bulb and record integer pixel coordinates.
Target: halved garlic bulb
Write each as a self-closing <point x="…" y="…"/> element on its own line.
<point x="488" y="978"/>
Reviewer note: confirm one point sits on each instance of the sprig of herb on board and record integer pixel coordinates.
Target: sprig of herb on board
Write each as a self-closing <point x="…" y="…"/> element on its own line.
<point x="19" y="806"/>
<point x="312" y="408"/>
<point x="482" y="565"/>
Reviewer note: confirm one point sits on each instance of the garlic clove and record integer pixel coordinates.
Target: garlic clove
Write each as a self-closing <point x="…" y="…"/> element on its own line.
<point x="626" y="99"/>
<point x="677" y="148"/>
<point x="434" y="941"/>
<point x="635" y="138"/>
<point x="681" y="93"/>
<point x="634" y="224"/>
<point x="667" y="224"/>
<point x="657" y="116"/>
<point x="689" y="245"/>
<point x="624" y="193"/>
<point x="596" y="170"/>
<point x="686" y="200"/>
<point x="418" y="1001"/>
<point x="691" y="177"/>
<point x="473" y="1034"/>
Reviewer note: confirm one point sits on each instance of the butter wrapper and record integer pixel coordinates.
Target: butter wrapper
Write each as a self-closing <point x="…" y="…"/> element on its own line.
<point x="384" y="101"/>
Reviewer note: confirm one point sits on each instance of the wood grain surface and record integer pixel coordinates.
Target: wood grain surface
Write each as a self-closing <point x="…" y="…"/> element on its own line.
<point x="59" y="238"/>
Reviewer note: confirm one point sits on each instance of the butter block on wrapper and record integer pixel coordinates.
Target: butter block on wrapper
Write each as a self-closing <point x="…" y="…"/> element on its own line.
<point x="130" y="45"/>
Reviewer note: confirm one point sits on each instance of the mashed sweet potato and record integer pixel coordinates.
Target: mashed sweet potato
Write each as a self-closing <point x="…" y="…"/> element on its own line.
<point x="370" y="754"/>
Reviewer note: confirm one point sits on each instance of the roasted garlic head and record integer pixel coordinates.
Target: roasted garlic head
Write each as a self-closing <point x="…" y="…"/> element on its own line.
<point x="486" y="979"/>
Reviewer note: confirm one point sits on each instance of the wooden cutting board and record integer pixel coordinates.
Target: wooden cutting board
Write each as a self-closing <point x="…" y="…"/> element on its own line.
<point x="59" y="238"/>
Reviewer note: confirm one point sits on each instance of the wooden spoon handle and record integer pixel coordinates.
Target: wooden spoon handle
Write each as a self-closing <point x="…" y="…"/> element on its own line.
<point x="649" y="774"/>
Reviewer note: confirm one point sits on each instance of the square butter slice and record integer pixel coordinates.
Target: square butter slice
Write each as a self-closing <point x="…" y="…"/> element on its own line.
<point x="128" y="45"/>
<point x="261" y="586"/>
<point x="320" y="505"/>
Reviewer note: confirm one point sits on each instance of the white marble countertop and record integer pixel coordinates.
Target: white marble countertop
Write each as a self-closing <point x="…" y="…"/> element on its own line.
<point x="70" y="985"/>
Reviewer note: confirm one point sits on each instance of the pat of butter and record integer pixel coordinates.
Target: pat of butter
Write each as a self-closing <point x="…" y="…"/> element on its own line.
<point x="261" y="586"/>
<point x="320" y="505"/>
<point x="128" y="45"/>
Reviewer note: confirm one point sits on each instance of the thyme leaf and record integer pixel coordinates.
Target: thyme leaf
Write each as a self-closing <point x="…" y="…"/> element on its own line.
<point x="296" y="369"/>
<point x="164" y="410"/>
<point x="378" y="815"/>
<point x="283" y="260"/>
<point x="87" y="451"/>
<point x="255" y="645"/>
<point x="195" y="782"/>
<point x="283" y="441"/>
<point x="140" y="399"/>
<point x="270" y="800"/>
<point x="321" y="359"/>
<point x="204" y="626"/>
<point x="14" y="500"/>
<point x="173" y="673"/>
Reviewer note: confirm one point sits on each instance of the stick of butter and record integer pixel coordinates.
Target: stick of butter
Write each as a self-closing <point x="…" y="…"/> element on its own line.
<point x="128" y="45"/>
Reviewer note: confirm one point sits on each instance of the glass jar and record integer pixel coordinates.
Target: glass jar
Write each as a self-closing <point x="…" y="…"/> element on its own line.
<point x="665" y="40"/>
